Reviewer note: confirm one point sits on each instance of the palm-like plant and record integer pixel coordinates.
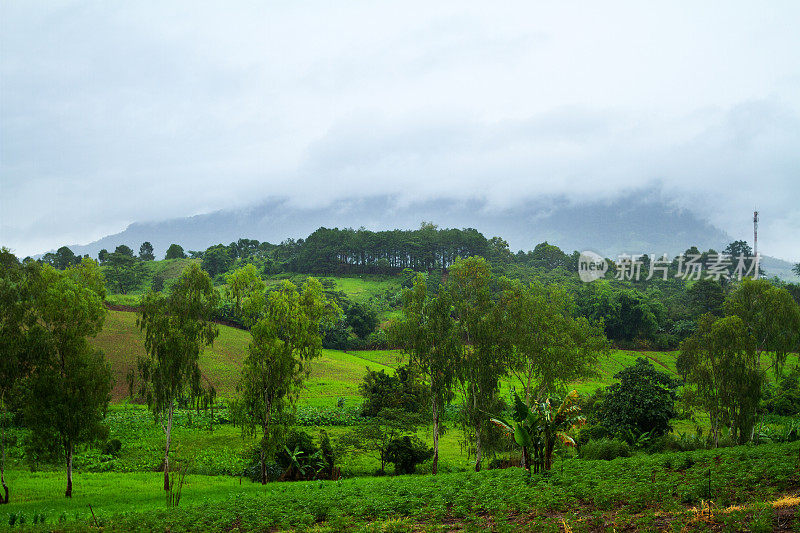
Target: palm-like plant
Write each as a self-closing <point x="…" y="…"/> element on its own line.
<point x="537" y="428"/>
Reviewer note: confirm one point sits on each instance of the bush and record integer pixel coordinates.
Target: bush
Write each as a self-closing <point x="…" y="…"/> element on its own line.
<point x="252" y="466"/>
<point x="642" y="402"/>
<point x="112" y="447"/>
<point x="606" y="449"/>
<point x="406" y="453"/>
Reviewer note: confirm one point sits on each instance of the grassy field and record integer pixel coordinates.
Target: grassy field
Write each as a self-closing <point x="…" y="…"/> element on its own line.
<point x="736" y="489"/>
<point x="335" y="374"/>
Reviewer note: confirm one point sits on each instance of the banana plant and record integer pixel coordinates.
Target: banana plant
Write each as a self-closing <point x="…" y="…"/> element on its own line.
<point x="536" y="429"/>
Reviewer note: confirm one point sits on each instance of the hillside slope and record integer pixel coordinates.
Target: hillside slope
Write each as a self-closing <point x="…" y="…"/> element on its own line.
<point x="335" y="374"/>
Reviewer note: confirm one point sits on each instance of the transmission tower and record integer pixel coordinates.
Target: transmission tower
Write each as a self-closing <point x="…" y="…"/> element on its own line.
<point x="755" y="233"/>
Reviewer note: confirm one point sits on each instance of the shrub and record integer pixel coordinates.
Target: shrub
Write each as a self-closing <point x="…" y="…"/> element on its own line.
<point x="606" y="449"/>
<point x="406" y="453"/>
<point x="112" y="447"/>
<point x="642" y="402"/>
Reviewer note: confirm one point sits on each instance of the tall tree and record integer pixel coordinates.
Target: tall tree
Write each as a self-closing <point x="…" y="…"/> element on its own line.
<point x="67" y="393"/>
<point x="216" y="260"/>
<point x="285" y="339"/>
<point x="15" y="320"/>
<point x="771" y="316"/>
<point x="429" y="334"/>
<point x="146" y="251"/>
<point x="480" y="363"/>
<point x="123" y="249"/>
<point x="175" y="251"/>
<point x="124" y="272"/>
<point x="545" y="345"/>
<point x="245" y="289"/>
<point x="719" y="358"/>
<point x="177" y="327"/>
<point x="65" y="258"/>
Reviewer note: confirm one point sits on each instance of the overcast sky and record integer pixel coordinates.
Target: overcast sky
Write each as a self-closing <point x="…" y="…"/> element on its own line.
<point x="115" y="112"/>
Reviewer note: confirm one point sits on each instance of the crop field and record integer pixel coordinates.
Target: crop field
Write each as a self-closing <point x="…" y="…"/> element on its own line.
<point x="734" y="489"/>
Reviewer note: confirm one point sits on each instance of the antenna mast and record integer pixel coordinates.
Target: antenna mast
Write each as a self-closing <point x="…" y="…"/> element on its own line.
<point x="755" y="233"/>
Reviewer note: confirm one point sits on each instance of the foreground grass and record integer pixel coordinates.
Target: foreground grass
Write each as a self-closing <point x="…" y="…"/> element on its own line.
<point x="730" y="488"/>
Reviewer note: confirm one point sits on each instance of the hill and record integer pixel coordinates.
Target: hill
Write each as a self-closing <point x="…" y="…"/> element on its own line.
<point x="641" y="222"/>
<point x="336" y="374"/>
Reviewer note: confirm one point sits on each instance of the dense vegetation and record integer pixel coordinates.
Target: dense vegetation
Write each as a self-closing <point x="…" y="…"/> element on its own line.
<point x="488" y="358"/>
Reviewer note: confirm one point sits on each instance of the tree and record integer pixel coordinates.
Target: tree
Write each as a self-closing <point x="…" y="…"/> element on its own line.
<point x="361" y="319"/>
<point x="377" y="433"/>
<point x="177" y="327"/>
<point x="406" y="453"/>
<point x="285" y="339"/>
<point x="65" y="258"/>
<point x="246" y="289"/>
<point x="400" y="390"/>
<point x="771" y="317"/>
<point x="216" y="260"/>
<point x="123" y="249"/>
<point x="642" y="402"/>
<point x="175" y="251"/>
<point x="480" y="363"/>
<point x="720" y="360"/>
<point x="16" y="320"/>
<point x="537" y="428"/>
<point x="67" y="393"/>
<point x="146" y="251"/>
<point x="429" y="334"/>
<point x="102" y="256"/>
<point x="124" y="272"/>
<point x="796" y="269"/>
<point x="706" y="296"/>
<point x="545" y="346"/>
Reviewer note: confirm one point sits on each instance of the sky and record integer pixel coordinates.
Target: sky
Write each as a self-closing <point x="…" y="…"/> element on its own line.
<point x="114" y="112"/>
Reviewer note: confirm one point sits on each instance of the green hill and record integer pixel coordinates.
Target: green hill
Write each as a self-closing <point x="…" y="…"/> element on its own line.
<point x="335" y="374"/>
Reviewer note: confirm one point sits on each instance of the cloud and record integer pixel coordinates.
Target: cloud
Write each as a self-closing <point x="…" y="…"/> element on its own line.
<point x="147" y="111"/>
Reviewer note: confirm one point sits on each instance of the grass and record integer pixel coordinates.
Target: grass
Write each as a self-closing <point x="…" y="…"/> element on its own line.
<point x="746" y="487"/>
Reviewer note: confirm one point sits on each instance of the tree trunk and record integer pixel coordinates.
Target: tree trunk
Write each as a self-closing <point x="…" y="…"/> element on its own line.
<point x="548" y="452"/>
<point x="524" y="462"/>
<point x="263" y="457"/>
<point x="68" y="492"/>
<point x="265" y="430"/>
<point x="478" y="451"/>
<point x="435" y="408"/>
<point x="166" y="448"/>
<point x="3" y="499"/>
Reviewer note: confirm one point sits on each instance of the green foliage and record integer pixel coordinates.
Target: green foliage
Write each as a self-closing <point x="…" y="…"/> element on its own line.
<point x="285" y="339"/>
<point x="605" y="449"/>
<point x="64" y="397"/>
<point x="146" y="251"/>
<point x="217" y="260"/>
<point x="642" y="402"/>
<point x="175" y="251"/>
<point x="177" y="327"/>
<point x="245" y="288"/>
<point x="406" y="453"/>
<point x="361" y="319"/>
<point x="537" y="428"/>
<point x="430" y="335"/>
<point x="719" y="359"/>
<point x="546" y="347"/>
<point x="123" y="272"/>
<point x="401" y="390"/>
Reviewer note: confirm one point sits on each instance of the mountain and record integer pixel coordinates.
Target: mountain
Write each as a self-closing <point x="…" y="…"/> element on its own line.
<point x="636" y="223"/>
